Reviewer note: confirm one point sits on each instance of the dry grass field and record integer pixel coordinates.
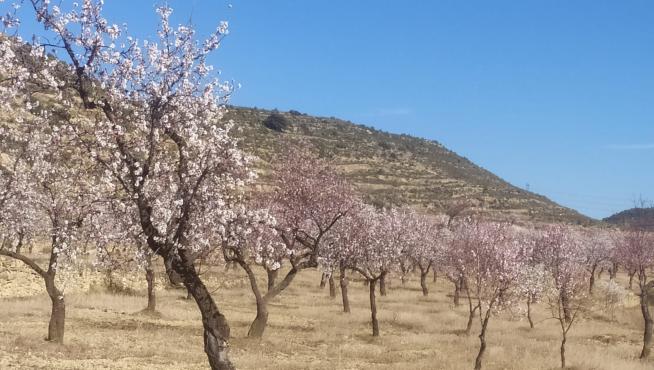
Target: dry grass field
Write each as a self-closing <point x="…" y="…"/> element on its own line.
<point x="307" y="330"/>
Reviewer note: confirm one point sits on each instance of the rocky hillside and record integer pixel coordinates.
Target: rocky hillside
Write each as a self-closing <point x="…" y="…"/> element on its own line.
<point x="395" y="169"/>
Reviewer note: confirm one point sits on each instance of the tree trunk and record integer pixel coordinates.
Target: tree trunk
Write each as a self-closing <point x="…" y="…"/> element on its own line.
<point x="152" y="301"/>
<point x="435" y="276"/>
<point x="647" y="317"/>
<point x="613" y="271"/>
<point x="471" y="318"/>
<point x="373" y="309"/>
<point x="58" y="314"/>
<point x="260" y="322"/>
<point x="216" y="329"/>
<point x="531" y="322"/>
<point x="382" y="284"/>
<point x="174" y="277"/>
<point x="457" y="292"/>
<point x="272" y="276"/>
<point x="565" y="303"/>
<point x="332" y="287"/>
<point x="482" y="340"/>
<point x="323" y="280"/>
<point x="563" y="340"/>
<point x="631" y="280"/>
<point x="591" y="284"/>
<point x="423" y="282"/>
<point x="344" y="283"/>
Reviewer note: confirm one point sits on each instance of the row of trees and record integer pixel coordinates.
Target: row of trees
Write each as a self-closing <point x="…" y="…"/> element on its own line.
<point x="116" y="143"/>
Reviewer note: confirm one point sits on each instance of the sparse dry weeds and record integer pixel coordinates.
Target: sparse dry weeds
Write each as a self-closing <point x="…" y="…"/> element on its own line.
<point x="307" y="331"/>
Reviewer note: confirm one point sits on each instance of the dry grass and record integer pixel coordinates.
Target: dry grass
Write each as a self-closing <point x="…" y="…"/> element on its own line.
<point x="307" y="331"/>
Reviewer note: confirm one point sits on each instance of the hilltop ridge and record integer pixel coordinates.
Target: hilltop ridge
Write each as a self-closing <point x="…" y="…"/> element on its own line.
<point x="395" y="169"/>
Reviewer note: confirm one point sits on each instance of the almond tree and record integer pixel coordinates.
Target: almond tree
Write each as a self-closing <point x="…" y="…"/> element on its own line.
<point x="55" y="199"/>
<point x="149" y="115"/>
<point x="46" y="186"/>
<point x="597" y="248"/>
<point x="534" y="277"/>
<point x="424" y="236"/>
<point x="635" y="251"/>
<point x="308" y="200"/>
<point x="250" y="240"/>
<point x="490" y="261"/>
<point x="560" y="251"/>
<point x="376" y="249"/>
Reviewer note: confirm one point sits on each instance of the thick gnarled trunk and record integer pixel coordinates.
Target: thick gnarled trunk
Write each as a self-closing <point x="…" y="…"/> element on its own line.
<point x="58" y="313"/>
<point x="216" y="329"/>
<point x="258" y="326"/>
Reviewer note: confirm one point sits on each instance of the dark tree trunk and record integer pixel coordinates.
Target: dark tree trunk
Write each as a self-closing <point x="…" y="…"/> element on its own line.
<point x="565" y="303"/>
<point x="260" y="322"/>
<point x="531" y="322"/>
<point x="647" y="318"/>
<point x="471" y="318"/>
<point x="382" y="284"/>
<point x="591" y="283"/>
<point x="323" y="280"/>
<point x="613" y="271"/>
<point x="423" y="282"/>
<point x="272" y="276"/>
<point x="435" y="276"/>
<point x="482" y="340"/>
<point x="373" y="309"/>
<point x="174" y="278"/>
<point x="344" y="282"/>
<point x="58" y="314"/>
<point x="216" y="329"/>
<point x="563" y="340"/>
<point x="152" y="301"/>
<point x="366" y="283"/>
<point x="332" y="287"/>
<point x="631" y="280"/>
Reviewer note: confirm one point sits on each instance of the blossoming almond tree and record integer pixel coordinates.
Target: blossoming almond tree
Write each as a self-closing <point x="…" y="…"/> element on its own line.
<point x="250" y="240"/>
<point x="490" y="260"/>
<point x="559" y="249"/>
<point x="635" y="251"/>
<point x="376" y="249"/>
<point x="308" y="200"/>
<point x="46" y="186"/>
<point x="149" y="114"/>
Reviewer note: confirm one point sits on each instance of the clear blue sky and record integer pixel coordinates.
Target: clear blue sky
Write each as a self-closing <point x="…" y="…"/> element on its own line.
<point x="555" y="94"/>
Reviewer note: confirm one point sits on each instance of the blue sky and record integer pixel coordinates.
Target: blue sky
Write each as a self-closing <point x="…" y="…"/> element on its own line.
<point x="555" y="94"/>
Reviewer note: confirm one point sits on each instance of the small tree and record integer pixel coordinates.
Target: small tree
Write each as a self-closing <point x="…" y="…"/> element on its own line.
<point x="375" y="251"/>
<point x="560" y="251"/>
<point x="597" y="249"/>
<point x="490" y="261"/>
<point x="634" y="248"/>
<point x="308" y="200"/>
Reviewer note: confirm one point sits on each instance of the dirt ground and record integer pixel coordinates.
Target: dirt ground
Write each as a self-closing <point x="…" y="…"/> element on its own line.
<point x="307" y="329"/>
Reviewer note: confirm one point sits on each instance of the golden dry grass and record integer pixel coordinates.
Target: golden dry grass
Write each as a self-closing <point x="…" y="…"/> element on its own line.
<point x="307" y="330"/>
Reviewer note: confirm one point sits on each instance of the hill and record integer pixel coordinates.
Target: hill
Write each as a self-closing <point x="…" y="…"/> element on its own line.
<point x="643" y="217"/>
<point x="395" y="169"/>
